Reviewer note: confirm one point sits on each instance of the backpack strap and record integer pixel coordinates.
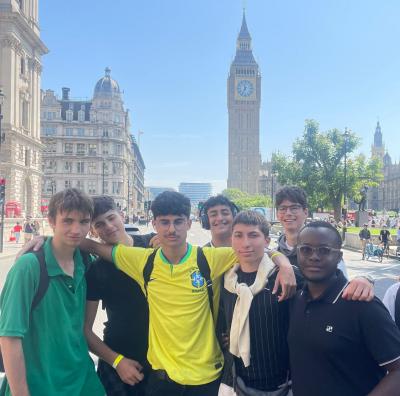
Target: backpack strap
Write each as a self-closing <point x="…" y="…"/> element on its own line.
<point x="205" y="271"/>
<point x="43" y="279"/>
<point x="148" y="269"/>
<point x="397" y="308"/>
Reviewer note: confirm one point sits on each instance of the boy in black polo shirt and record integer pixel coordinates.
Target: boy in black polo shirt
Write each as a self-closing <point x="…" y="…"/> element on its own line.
<point x="338" y="347"/>
<point x="126" y="331"/>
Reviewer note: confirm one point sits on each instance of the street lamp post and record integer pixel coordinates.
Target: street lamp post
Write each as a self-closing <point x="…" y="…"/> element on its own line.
<point x="346" y="136"/>
<point x="2" y="134"/>
<point x="273" y="194"/>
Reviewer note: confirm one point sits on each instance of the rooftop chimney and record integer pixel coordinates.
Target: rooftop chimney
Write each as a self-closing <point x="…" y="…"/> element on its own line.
<point x="65" y="93"/>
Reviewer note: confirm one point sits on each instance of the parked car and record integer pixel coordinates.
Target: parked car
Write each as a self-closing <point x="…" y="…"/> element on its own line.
<point x="131" y="229"/>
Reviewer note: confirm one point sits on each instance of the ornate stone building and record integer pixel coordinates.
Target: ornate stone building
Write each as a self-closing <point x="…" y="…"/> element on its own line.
<point x="244" y="98"/>
<point x="88" y="145"/>
<point x="20" y="69"/>
<point x="387" y="195"/>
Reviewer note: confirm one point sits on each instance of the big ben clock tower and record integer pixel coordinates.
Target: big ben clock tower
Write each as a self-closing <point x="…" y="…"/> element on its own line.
<point x="244" y="98"/>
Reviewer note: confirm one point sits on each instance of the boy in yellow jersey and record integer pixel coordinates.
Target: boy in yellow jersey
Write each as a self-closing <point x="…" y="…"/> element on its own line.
<point x="183" y="350"/>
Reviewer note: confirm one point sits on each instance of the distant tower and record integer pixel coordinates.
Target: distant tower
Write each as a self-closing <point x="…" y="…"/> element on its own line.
<point x="378" y="148"/>
<point x="244" y="98"/>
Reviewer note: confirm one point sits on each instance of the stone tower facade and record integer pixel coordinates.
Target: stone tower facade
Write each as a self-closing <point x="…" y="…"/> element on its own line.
<point x="20" y="69"/>
<point x="244" y="99"/>
<point x="378" y="148"/>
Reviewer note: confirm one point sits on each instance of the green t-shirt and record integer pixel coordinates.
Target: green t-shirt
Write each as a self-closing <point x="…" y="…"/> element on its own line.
<point x="55" y="349"/>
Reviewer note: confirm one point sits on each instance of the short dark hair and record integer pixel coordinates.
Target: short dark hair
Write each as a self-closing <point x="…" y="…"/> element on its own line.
<point x="218" y="200"/>
<point x="293" y="194"/>
<point x="68" y="200"/>
<point x="103" y="204"/>
<point x="171" y="203"/>
<point x="324" y="224"/>
<point x="251" y="217"/>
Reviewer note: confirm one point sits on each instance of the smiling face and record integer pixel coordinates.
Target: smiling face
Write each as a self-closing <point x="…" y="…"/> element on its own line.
<point x="109" y="227"/>
<point x="291" y="215"/>
<point x="249" y="243"/>
<point x="70" y="228"/>
<point x="220" y="218"/>
<point x="320" y="256"/>
<point x="172" y="230"/>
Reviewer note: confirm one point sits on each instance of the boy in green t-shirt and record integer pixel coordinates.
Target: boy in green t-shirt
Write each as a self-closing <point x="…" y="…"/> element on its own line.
<point x="44" y="349"/>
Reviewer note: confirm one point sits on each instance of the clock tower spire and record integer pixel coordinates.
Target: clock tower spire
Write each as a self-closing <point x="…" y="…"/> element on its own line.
<point x="244" y="99"/>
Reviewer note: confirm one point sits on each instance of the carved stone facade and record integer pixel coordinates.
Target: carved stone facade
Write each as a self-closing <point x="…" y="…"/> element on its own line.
<point x="20" y="69"/>
<point x="244" y="98"/>
<point x="88" y="145"/>
<point x="387" y="195"/>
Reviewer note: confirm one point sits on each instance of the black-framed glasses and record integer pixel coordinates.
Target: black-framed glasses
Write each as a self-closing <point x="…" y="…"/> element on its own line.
<point x="292" y="208"/>
<point x="307" y="250"/>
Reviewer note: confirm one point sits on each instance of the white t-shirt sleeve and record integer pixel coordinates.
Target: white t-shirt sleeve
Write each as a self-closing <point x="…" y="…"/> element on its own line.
<point x="342" y="267"/>
<point x="390" y="298"/>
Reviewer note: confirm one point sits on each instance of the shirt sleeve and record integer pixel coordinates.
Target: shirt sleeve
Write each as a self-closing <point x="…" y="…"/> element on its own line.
<point x="95" y="287"/>
<point x="380" y="333"/>
<point x="131" y="260"/>
<point x="17" y="295"/>
<point x="220" y="260"/>
<point x="389" y="299"/>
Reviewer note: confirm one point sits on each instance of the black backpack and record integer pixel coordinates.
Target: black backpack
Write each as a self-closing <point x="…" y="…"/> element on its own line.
<point x="204" y="269"/>
<point x="44" y="282"/>
<point x="397" y="308"/>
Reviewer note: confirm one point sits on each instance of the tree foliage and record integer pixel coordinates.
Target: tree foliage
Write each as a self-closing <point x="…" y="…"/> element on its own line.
<point x="317" y="165"/>
<point x="246" y="201"/>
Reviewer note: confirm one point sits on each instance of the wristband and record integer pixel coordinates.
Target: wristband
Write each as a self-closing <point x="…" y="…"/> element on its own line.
<point x="276" y="254"/>
<point x="117" y="361"/>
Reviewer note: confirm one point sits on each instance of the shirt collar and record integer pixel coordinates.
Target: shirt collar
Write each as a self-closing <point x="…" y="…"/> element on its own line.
<point x="54" y="269"/>
<point x="332" y="293"/>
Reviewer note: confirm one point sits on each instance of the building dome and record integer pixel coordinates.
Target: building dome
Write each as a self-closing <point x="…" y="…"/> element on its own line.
<point x="106" y="86"/>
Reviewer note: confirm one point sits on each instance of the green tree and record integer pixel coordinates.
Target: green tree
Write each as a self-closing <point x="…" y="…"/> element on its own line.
<point x="246" y="201"/>
<point x="317" y="165"/>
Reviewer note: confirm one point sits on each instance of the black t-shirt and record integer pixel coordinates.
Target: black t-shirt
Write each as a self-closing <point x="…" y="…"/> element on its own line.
<point x="126" y="330"/>
<point x="384" y="235"/>
<point x="269" y="321"/>
<point x="337" y="346"/>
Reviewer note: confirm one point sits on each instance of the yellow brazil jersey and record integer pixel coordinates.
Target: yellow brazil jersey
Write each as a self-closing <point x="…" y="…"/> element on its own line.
<point x="182" y="337"/>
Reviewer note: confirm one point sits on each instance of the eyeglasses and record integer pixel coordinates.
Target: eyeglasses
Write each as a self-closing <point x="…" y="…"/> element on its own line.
<point x="322" y="251"/>
<point x="292" y="209"/>
<point x="179" y="224"/>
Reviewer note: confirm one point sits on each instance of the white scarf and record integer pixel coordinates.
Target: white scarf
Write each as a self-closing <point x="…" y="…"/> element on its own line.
<point x="240" y="327"/>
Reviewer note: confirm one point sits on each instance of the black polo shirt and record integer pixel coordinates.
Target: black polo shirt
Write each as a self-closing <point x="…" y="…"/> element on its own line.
<point x="269" y="321"/>
<point x="337" y="346"/>
<point x="126" y="330"/>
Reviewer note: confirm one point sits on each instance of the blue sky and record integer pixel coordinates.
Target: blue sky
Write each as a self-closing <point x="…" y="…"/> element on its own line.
<point x="336" y="61"/>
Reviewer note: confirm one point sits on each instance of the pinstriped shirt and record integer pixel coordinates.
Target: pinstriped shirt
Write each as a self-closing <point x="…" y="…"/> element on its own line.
<point x="269" y="322"/>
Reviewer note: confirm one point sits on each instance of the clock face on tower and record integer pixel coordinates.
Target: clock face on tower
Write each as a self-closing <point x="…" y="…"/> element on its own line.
<point x="245" y="88"/>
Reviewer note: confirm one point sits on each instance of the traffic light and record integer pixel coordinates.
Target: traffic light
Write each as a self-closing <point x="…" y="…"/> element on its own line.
<point x="147" y="205"/>
<point x="2" y="191"/>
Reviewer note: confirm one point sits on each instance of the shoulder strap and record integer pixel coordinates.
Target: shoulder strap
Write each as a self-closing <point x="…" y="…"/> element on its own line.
<point x="204" y="269"/>
<point x="397" y="308"/>
<point x="148" y="269"/>
<point x="43" y="279"/>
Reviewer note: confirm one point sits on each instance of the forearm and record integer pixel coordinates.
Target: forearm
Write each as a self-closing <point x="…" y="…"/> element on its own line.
<point x="14" y="364"/>
<point x="278" y="258"/>
<point x="100" y="249"/>
<point x="388" y="386"/>
<point x="99" y="348"/>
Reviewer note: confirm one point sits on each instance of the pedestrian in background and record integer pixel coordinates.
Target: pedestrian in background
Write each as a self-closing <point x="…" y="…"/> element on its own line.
<point x="17" y="232"/>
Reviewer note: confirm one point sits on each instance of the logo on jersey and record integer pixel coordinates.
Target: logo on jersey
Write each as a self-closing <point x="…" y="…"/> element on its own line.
<point x="197" y="279"/>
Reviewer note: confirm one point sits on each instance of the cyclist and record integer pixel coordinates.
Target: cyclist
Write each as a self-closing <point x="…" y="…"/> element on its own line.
<point x="365" y="236"/>
<point x="384" y="237"/>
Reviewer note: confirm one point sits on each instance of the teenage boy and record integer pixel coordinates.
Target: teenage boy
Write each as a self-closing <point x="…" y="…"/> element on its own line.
<point x="338" y="347"/>
<point x="183" y="350"/>
<point x="126" y="331"/>
<point x="258" y="322"/>
<point x="292" y="212"/>
<point x="44" y="349"/>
